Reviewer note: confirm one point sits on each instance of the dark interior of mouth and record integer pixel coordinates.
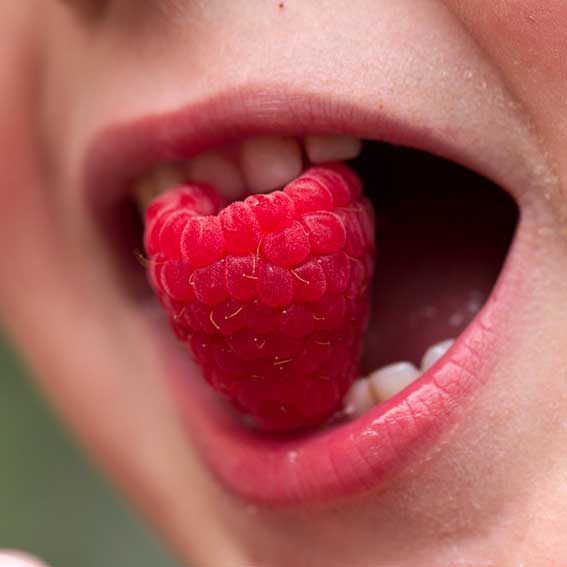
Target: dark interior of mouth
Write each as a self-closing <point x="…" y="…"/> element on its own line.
<point x="443" y="233"/>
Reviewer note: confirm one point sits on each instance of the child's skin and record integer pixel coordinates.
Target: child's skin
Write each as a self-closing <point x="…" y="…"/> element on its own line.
<point x="497" y="492"/>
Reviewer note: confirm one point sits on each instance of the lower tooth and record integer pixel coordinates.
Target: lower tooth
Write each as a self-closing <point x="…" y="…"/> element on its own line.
<point x="435" y="353"/>
<point x="359" y="398"/>
<point x="388" y="381"/>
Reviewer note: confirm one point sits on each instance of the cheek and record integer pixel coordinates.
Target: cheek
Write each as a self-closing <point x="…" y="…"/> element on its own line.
<point x="527" y="41"/>
<point x="531" y="30"/>
<point x="520" y="20"/>
<point x="525" y="37"/>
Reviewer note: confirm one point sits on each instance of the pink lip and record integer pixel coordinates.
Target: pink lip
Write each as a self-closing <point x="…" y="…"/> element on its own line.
<point x="348" y="458"/>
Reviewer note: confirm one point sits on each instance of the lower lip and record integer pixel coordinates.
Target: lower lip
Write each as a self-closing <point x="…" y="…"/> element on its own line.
<point x="353" y="457"/>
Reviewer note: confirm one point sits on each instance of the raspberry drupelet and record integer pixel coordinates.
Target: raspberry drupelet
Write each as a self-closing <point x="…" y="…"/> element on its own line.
<point x="271" y="293"/>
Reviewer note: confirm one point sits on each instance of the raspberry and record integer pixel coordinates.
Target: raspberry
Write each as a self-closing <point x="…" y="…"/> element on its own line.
<point x="270" y="294"/>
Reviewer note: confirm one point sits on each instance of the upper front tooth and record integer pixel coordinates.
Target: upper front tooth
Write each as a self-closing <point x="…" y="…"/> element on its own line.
<point x="359" y="398"/>
<point x="157" y="182"/>
<point x="217" y="170"/>
<point x="386" y="382"/>
<point x="331" y="148"/>
<point x="434" y="353"/>
<point x="269" y="163"/>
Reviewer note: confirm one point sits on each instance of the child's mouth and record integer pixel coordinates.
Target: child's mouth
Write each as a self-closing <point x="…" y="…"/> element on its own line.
<point x="442" y="236"/>
<point x="442" y="231"/>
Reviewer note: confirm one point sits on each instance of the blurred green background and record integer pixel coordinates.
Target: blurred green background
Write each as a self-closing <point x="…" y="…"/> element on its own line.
<point x="52" y="503"/>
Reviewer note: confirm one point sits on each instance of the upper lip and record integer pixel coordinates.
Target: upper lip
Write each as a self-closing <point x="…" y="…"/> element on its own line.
<point x="358" y="455"/>
<point x="120" y="153"/>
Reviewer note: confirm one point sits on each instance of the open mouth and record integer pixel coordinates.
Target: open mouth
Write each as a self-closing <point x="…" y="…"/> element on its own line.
<point x="444" y="239"/>
<point x="443" y="234"/>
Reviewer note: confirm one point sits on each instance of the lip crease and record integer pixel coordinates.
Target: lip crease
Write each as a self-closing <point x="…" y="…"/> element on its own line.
<point x="347" y="458"/>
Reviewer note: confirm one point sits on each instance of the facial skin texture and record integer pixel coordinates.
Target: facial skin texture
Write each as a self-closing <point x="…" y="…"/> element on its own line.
<point x="493" y="491"/>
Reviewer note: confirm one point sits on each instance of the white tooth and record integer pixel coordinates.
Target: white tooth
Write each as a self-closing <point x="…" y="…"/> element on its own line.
<point x="388" y="381"/>
<point x="217" y="170"/>
<point x="434" y="353"/>
<point x="270" y="163"/>
<point x="331" y="148"/>
<point x="359" y="398"/>
<point x="157" y="182"/>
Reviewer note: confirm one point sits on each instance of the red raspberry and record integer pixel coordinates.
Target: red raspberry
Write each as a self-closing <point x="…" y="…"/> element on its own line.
<point x="270" y="293"/>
